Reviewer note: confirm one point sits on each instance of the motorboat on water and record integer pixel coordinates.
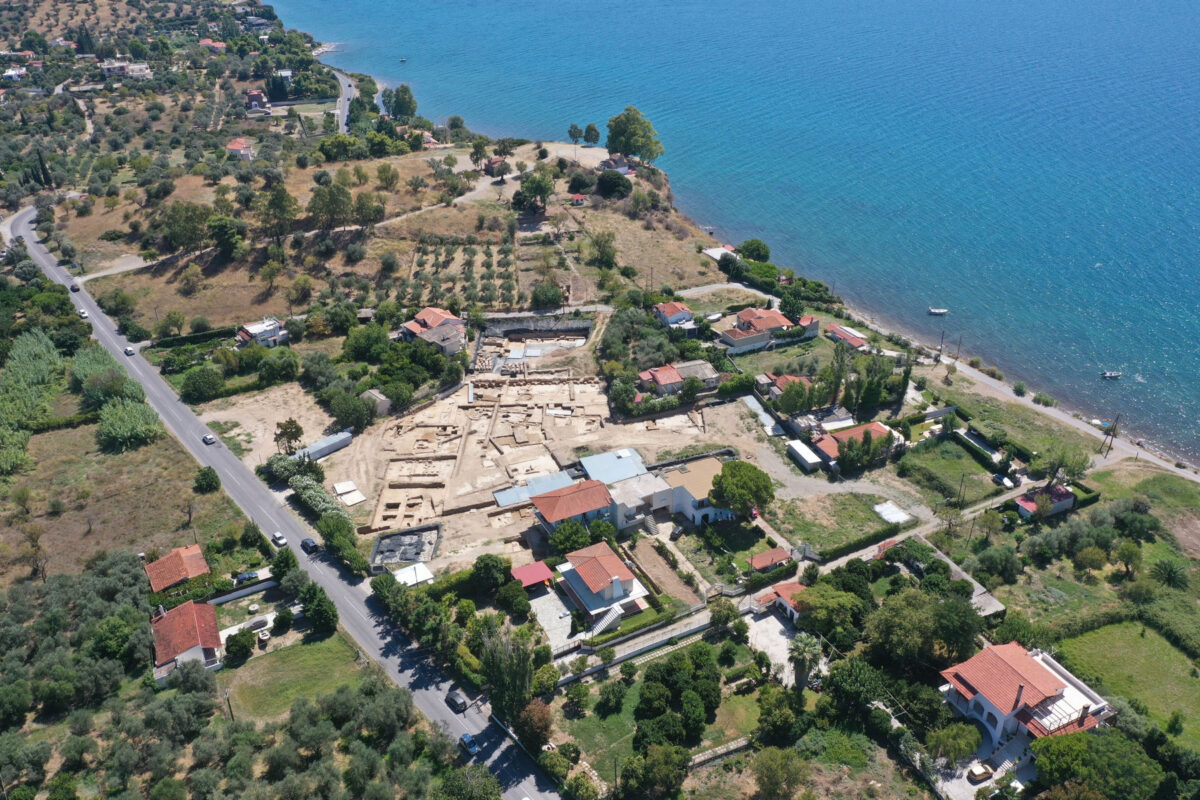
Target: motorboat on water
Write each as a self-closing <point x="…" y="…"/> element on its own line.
<point x="938" y="312"/>
<point x="1110" y="374"/>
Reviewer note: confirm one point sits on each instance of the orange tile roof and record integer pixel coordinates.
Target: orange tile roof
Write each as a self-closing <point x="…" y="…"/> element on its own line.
<point x="788" y="591"/>
<point x="430" y="317"/>
<point x="769" y="559"/>
<point x="781" y="382"/>
<point x="830" y="444"/>
<point x="999" y="671"/>
<point x="181" y="564"/>
<point x="662" y="376"/>
<point x="598" y="565"/>
<point x="762" y="319"/>
<point x="807" y="319"/>
<point x="673" y="307"/>
<point x="237" y="144"/>
<point x="571" y="501"/>
<point x="183" y="628"/>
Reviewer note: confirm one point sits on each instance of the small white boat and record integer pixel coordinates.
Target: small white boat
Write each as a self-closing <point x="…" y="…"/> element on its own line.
<point x="938" y="312"/>
<point x="1110" y="374"/>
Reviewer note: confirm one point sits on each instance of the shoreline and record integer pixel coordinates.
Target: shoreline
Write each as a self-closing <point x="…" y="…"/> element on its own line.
<point x="1065" y="412"/>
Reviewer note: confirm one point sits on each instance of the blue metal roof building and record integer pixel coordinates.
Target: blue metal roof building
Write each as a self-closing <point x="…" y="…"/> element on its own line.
<point x="613" y="466"/>
<point x="532" y="488"/>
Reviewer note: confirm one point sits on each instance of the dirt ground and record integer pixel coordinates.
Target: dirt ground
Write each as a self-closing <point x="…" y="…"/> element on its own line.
<point x="661" y="573"/>
<point x="881" y="779"/>
<point x="257" y="414"/>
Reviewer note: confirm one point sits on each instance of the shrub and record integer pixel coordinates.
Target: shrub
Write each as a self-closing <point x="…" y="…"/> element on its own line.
<point x="200" y="384"/>
<point x="611" y="183"/>
<point x="239" y="646"/>
<point x="1019" y="389"/>
<point x="127" y="425"/>
<point x="207" y="481"/>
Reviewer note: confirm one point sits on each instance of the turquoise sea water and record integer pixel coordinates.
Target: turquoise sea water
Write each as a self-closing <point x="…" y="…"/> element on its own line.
<point x="1032" y="165"/>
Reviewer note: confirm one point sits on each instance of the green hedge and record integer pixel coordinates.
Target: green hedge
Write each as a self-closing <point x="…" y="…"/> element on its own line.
<point x="874" y="537"/>
<point x="59" y="423"/>
<point x="1084" y="495"/>
<point x="797" y="332"/>
<point x="168" y="342"/>
<point x="661" y="616"/>
<point x="977" y="452"/>
<point x="760" y="579"/>
<point x="198" y="588"/>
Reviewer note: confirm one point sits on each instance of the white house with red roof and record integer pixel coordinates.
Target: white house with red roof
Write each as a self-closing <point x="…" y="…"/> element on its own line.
<point x="773" y="385"/>
<point x="661" y="380"/>
<point x="1061" y="498"/>
<point x="754" y="329"/>
<point x="583" y="502"/>
<point x="439" y="327"/>
<point x="829" y="445"/>
<point x="187" y="632"/>
<point x="240" y="148"/>
<point x="602" y="585"/>
<point x="783" y="596"/>
<point x="1009" y="689"/>
<point x="844" y="333"/>
<point x="673" y="313"/>
<point x="216" y="48"/>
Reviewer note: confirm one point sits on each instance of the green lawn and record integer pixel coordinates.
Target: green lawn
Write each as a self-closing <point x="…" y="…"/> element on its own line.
<point x="731" y="544"/>
<point x="785" y="357"/>
<point x="1137" y="662"/>
<point x="264" y="687"/>
<point x="952" y="467"/>
<point x="1024" y="425"/>
<point x="1048" y="595"/>
<point x="827" y="520"/>
<point x="605" y="739"/>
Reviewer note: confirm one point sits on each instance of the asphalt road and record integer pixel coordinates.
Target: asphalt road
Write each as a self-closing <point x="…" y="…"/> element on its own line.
<point x="348" y="93"/>
<point x="359" y="614"/>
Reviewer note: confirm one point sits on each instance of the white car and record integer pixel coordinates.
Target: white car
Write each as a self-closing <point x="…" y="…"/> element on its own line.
<point x="279" y="539"/>
<point x="83" y="313"/>
<point x="128" y="351"/>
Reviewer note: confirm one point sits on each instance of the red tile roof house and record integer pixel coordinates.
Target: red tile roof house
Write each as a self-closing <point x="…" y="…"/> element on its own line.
<point x="240" y="148"/>
<point x="762" y="562"/>
<point x="583" y="502"/>
<point x="783" y="597"/>
<point x="602" y="585"/>
<point x="773" y="385"/>
<point x="180" y="565"/>
<point x="256" y="99"/>
<point x="1061" y="499"/>
<point x="754" y="329"/>
<point x="186" y="633"/>
<point x="840" y="333"/>
<point x="811" y="325"/>
<point x="430" y="318"/>
<point x="1009" y="689"/>
<point x="663" y="380"/>
<point x="216" y="48"/>
<point x="828" y="445"/>
<point x="673" y="313"/>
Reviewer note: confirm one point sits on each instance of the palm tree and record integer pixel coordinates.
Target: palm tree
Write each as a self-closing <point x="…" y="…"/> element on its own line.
<point x="1170" y="573"/>
<point x="804" y="651"/>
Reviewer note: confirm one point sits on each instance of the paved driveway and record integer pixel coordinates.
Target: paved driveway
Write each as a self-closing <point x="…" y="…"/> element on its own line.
<point x="554" y="615"/>
<point x="771" y="634"/>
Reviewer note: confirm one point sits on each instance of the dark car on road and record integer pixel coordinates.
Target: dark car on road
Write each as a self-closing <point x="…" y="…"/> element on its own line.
<point x="246" y="577"/>
<point x="309" y="546"/>
<point x="468" y="744"/>
<point x="456" y="701"/>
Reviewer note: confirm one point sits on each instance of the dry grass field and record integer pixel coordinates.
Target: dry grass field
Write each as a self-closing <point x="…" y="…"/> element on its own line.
<point x="129" y="501"/>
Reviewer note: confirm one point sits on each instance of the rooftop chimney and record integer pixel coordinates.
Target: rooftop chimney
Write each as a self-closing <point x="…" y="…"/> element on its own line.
<point x="1020" y="693"/>
<point x="617" y="589"/>
<point x="1083" y="712"/>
